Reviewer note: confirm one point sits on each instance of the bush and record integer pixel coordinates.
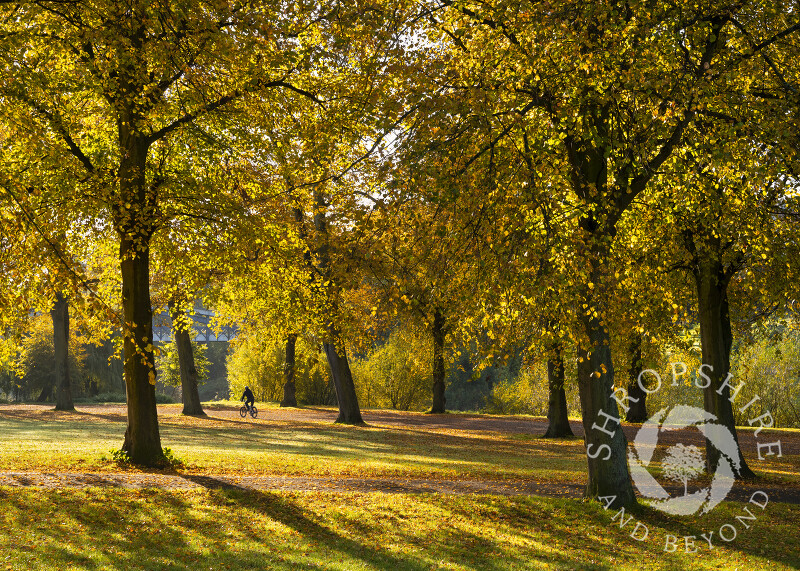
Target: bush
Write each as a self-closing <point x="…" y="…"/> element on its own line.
<point x="770" y="370"/>
<point x="517" y="395"/>
<point x="397" y="374"/>
<point x="529" y="392"/>
<point x="107" y="397"/>
<point x="258" y="363"/>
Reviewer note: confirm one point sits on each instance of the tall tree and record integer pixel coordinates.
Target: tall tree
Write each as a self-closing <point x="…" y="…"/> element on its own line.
<point x="109" y="84"/>
<point x="615" y="85"/>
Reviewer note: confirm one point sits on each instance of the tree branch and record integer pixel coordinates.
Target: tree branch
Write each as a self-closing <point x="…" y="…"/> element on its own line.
<point x="55" y="121"/>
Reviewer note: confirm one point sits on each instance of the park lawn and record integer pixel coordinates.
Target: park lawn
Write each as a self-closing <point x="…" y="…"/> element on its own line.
<point x="68" y="442"/>
<point x="103" y="528"/>
<point x="42" y="440"/>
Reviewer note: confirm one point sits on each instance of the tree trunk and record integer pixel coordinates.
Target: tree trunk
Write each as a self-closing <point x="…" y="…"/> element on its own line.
<point x="716" y="340"/>
<point x="349" y="411"/>
<point x="558" y="421"/>
<point x="183" y="343"/>
<point x="289" y="396"/>
<point x="45" y="394"/>
<point x="638" y="397"/>
<point x="606" y="445"/>
<point x="439" y="399"/>
<point x="142" y="438"/>
<point x="134" y="221"/>
<point x="60" y="316"/>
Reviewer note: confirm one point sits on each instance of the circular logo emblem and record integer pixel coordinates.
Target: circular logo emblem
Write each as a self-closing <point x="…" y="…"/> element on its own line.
<point x="681" y="463"/>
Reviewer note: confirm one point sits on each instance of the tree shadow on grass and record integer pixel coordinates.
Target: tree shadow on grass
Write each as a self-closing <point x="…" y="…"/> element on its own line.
<point x="451" y="542"/>
<point x="148" y="530"/>
<point x="51" y="415"/>
<point x="279" y="508"/>
<point x="771" y="535"/>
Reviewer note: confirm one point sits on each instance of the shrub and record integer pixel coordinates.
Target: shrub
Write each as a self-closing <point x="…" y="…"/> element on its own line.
<point x="398" y="373"/>
<point x="258" y="363"/>
<point x="529" y="392"/>
<point x="770" y="371"/>
<point x="164" y="399"/>
<point x="108" y="397"/>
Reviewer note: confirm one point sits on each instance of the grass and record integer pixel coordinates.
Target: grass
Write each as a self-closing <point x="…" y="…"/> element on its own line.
<point x="115" y="528"/>
<point x="123" y="529"/>
<point x="41" y="439"/>
<point x="45" y="440"/>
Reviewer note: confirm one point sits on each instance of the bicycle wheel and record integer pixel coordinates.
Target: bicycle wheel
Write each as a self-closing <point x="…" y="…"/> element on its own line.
<point x="243" y="411"/>
<point x="254" y="411"/>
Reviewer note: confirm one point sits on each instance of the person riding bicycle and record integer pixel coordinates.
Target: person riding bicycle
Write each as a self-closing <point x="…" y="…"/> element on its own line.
<point x="248" y="398"/>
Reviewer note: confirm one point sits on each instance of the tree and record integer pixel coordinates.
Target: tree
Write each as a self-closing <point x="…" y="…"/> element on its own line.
<point x="315" y="155"/>
<point x="33" y="364"/>
<point x="172" y="369"/>
<point x="289" y="369"/>
<point x="614" y="88"/>
<point x="428" y="264"/>
<point x="60" y="316"/>
<point x="557" y="417"/>
<point x="723" y="222"/>
<point x="109" y="85"/>
<point x="637" y="395"/>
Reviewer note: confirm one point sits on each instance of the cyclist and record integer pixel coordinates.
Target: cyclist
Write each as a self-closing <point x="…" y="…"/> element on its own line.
<point x="248" y="398"/>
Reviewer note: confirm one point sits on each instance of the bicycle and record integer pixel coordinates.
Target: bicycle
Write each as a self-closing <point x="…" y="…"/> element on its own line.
<point x="252" y="410"/>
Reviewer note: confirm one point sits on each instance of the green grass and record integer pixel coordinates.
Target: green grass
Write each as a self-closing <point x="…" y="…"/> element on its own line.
<point x="80" y="442"/>
<point x="43" y="440"/>
<point x="123" y="529"/>
<point x="108" y="528"/>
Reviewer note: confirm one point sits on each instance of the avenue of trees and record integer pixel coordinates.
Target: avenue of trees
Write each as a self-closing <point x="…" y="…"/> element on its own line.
<point x="390" y="188"/>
